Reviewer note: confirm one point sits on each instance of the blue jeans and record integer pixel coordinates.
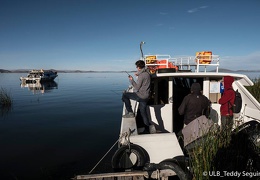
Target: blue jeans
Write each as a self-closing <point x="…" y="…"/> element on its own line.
<point x="142" y="105"/>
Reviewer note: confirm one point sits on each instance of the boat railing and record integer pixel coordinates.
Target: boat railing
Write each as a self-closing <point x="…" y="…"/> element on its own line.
<point x="154" y="62"/>
<point x="198" y="62"/>
<point x="183" y="63"/>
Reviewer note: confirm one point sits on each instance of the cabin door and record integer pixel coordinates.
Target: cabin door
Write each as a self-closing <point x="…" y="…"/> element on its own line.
<point x="160" y="104"/>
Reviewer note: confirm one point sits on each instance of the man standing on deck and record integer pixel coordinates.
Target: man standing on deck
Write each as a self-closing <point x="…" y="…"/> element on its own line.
<point x="141" y="93"/>
<point x="194" y="104"/>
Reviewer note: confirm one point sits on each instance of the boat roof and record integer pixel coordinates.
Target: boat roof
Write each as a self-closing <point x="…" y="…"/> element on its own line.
<point x="40" y="71"/>
<point x="243" y="79"/>
<point x="192" y="66"/>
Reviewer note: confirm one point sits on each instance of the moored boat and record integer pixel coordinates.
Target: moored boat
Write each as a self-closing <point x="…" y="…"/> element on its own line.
<point x="39" y="76"/>
<point x="161" y="151"/>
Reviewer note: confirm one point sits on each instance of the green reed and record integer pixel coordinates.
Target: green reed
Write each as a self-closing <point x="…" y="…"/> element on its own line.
<point x="5" y="99"/>
<point x="254" y="90"/>
<point x="204" y="152"/>
<point x="223" y="150"/>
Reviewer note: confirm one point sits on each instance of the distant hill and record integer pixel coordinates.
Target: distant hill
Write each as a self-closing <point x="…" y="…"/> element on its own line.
<point x="224" y="70"/>
<point x="4" y="71"/>
<point x="59" y="71"/>
<point x="248" y="71"/>
<point x="82" y="71"/>
<point x="228" y="70"/>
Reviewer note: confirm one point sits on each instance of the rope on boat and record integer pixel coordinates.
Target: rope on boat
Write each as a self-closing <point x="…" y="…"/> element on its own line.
<point x="126" y="135"/>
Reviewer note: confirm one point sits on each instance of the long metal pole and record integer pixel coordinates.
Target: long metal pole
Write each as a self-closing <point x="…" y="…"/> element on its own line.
<point x="141" y="44"/>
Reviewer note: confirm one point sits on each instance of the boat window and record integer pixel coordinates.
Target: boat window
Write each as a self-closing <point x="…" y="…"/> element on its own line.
<point x="159" y="91"/>
<point x="214" y="91"/>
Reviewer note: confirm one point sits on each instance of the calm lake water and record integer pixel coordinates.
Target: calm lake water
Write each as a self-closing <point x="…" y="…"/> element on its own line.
<point x="62" y="131"/>
<point x="65" y="129"/>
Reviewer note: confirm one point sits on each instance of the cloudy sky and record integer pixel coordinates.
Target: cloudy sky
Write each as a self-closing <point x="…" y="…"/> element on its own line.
<point x="105" y="34"/>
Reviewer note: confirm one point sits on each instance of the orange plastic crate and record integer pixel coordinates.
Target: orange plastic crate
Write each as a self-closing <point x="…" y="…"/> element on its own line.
<point x="204" y="57"/>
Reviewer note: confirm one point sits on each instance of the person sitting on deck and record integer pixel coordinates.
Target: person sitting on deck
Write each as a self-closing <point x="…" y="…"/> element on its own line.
<point x="141" y="93"/>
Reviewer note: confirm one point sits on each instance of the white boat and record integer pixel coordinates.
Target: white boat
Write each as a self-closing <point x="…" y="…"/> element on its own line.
<point x="161" y="149"/>
<point x="160" y="154"/>
<point x="39" y="76"/>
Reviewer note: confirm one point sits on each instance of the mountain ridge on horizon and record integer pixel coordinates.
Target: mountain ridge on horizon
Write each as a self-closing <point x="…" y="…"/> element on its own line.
<point x="89" y="71"/>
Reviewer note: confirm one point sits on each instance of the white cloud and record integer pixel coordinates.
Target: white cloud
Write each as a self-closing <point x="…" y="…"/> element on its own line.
<point x="248" y="62"/>
<point x="203" y="7"/>
<point x="192" y="10"/>
<point x="197" y="9"/>
<point x="163" y="13"/>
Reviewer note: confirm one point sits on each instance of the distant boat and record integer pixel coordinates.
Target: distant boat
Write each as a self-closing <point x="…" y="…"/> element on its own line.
<point x="39" y="76"/>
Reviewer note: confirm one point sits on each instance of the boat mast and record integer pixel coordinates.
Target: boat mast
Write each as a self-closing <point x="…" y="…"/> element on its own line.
<point x="141" y="44"/>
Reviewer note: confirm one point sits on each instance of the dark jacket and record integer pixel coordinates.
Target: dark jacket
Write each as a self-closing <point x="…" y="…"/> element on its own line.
<point x="228" y="97"/>
<point x="194" y="104"/>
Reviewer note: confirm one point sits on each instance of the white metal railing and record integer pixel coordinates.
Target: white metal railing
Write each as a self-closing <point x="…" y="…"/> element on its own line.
<point x="183" y="63"/>
<point x="157" y="60"/>
<point x="197" y="62"/>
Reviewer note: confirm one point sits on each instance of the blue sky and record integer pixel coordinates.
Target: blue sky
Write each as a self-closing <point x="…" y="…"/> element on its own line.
<point x="105" y="34"/>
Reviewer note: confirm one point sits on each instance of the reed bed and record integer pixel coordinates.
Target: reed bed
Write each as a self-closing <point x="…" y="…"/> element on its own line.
<point x="5" y="99"/>
<point x="203" y="154"/>
<point x="221" y="151"/>
<point x="255" y="89"/>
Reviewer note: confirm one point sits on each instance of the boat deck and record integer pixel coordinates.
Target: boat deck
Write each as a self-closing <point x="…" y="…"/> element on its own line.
<point x="30" y="79"/>
<point x="133" y="175"/>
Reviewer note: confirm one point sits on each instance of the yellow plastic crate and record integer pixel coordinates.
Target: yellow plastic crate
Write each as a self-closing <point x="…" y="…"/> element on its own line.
<point x="204" y="57"/>
<point x="150" y="59"/>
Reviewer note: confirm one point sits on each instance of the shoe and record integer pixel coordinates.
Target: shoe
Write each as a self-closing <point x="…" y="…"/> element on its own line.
<point x="152" y="129"/>
<point x="145" y="131"/>
<point x="129" y="115"/>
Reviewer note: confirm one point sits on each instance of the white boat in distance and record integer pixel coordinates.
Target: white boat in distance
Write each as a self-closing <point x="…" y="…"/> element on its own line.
<point x="39" y="76"/>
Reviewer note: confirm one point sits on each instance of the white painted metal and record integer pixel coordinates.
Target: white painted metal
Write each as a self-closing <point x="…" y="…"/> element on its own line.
<point x="165" y="115"/>
<point x="159" y="146"/>
<point x="251" y="107"/>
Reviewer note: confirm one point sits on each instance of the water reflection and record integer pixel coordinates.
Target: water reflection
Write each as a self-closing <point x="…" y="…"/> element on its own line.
<point x="4" y="111"/>
<point x="40" y="87"/>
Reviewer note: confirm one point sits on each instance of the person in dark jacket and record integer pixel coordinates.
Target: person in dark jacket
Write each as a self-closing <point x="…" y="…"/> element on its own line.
<point x="226" y="102"/>
<point x="141" y="93"/>
<point x="194" y="104"/>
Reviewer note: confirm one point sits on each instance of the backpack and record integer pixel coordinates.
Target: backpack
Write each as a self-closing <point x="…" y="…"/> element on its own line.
<point x="236" y="108"/>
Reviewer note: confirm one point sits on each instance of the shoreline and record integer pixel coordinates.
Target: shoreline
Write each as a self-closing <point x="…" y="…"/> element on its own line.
<point x="91" y="71"/>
